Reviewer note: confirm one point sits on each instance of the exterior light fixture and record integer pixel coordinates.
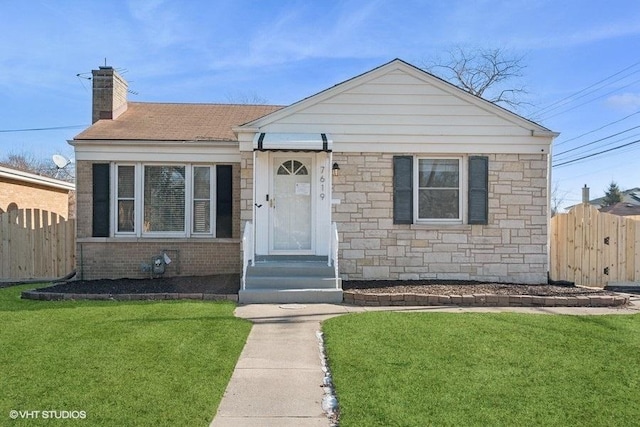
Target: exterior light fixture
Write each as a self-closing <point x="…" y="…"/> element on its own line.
<point x="334" y="169"/>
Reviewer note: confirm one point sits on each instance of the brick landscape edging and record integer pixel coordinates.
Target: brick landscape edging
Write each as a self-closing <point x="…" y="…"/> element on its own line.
<point x="55" y="296"/>
<point x="354" y="298"/>
<point x="484" y="300"/>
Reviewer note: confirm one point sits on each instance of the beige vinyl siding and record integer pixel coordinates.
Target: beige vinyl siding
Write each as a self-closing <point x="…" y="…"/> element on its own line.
<point x="398" y="107"/>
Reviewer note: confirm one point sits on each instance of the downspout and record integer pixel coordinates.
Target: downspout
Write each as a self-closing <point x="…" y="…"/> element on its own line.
<point x="81" y="262"/>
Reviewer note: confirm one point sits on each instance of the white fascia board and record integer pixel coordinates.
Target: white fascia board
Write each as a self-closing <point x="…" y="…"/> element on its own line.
<point x="545" y="133"/>
<point x="158" y="151"/>
<point x="441" y="149"/>
<point x="432" y="144"/>
<point x="16" y="175"/>
<point x="454" y="145"/>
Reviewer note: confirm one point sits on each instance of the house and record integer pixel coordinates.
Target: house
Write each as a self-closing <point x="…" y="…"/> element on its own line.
<point x="622" y="209"/>
<point x="629" y="205"/>
<point x="393" y="174"/>
<point x="630" y="197"/>
<point x="24" y="190"/>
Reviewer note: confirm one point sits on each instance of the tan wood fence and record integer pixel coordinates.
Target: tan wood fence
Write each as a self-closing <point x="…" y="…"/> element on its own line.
<point x="591" y="248"/>
<point x="36" y="244"/>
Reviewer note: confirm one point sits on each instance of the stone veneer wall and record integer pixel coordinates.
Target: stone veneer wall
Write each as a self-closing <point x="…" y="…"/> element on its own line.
<point x="246" y="187"/>
<point x="99" y="258"/>
<point x="511" y="248"/>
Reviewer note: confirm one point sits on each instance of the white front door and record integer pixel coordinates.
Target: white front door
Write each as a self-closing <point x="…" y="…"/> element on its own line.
<point x="290" y="206"/>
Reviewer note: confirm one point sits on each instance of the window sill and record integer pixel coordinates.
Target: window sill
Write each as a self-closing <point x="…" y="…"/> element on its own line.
<point x="439" y="226"/>
<point x="132" y="239"/>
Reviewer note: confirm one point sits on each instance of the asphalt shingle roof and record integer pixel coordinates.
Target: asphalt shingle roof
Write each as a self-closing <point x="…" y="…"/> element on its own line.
<point x="176" y="122"/>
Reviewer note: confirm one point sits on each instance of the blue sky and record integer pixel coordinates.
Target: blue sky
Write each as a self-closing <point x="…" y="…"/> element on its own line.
<point x="282" y="51"/>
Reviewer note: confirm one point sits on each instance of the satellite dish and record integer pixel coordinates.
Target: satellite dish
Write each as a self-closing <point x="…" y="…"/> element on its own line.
<point x="60" y="161"/>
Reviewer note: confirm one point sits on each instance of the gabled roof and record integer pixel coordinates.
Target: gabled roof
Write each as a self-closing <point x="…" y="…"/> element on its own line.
<point x="31" y="178"/>
<point x="398" y="64"/>
<point x="630" y="196"/>
<point x="176" y="122"/>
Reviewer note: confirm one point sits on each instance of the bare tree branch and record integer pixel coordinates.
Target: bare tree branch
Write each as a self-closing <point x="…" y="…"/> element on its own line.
<point x="246" y="98"/>
<point x="28" y="162"/>
<point x="483" y="73"/>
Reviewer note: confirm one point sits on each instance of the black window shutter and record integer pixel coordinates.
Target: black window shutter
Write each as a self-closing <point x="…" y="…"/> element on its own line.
<point x="402" y="189"/>
<point x="478" y="190"/>
<point x="100" y="200"/>
<point x="224" y="201"/>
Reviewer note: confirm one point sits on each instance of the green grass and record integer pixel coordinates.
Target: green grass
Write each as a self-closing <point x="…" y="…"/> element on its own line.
<point x="419" y="369"/>
<point x="123" y="363"/>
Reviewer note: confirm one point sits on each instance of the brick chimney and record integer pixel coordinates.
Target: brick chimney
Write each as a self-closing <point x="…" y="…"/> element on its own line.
<point x="109" y="94"/>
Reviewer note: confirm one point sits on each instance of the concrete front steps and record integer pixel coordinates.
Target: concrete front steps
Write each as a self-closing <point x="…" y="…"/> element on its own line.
<point x="299" y="279"/>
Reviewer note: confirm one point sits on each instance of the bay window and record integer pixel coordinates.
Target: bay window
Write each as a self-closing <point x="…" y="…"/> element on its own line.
<point x="170" y="200"/>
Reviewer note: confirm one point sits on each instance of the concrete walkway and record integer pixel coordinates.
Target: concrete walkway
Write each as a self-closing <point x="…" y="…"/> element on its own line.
<point x="278" y="378"/>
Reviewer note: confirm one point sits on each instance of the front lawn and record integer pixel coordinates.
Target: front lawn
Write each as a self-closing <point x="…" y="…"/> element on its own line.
<point x="121" y="363"/>
<point x="418" y="369"/>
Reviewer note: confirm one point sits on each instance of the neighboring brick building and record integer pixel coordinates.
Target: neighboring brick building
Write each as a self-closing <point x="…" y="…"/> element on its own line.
<point x="24" y="190"/>
<point x="416" y="178"/>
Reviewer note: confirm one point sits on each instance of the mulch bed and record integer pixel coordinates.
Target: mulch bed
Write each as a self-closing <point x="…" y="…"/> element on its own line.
<point x="377" y="292"/>
<point x="219" y="284"/>
<point x="230" y="284"/>
<point x="455" y="287"/>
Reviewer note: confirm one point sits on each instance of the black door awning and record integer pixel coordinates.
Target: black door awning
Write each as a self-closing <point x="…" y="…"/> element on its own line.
<point x="292" y="142"/>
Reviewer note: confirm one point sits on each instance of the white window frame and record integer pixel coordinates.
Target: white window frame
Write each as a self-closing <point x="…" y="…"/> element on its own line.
<point x="115" y="198"/>
<point x="461" y="191"/>
<point x="139" y="202"/>
<point x="212" y="201"/>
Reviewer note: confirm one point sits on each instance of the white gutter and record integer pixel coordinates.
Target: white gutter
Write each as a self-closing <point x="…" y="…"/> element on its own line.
<point x="17" y="175"/>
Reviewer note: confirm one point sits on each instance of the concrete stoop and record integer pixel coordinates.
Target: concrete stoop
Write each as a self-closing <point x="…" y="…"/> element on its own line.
<point x="307" y="279"/>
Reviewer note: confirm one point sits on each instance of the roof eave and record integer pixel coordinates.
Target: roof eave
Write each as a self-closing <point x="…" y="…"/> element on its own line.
<point x="31" y="178"/>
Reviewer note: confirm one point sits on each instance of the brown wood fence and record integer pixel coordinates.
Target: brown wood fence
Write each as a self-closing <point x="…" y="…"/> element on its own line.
<point x="36" y="244"/>
<point x="592" y="248"/>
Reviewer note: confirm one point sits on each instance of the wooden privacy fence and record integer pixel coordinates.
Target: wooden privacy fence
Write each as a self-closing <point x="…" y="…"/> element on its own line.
<point x="36" y="244"/>
<point x="591" y="248"/>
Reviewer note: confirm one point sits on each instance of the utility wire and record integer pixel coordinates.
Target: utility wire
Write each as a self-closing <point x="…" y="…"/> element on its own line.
<point x="41" y="129"/>
<point x="586" y="88"/>
<point x="596" y="154"/>
<point x="588" y="93"/>
<point x="592" y="99"/>
<point x="595" y="130"/>
<point x="601" y="147"/>
<point x="596" y="141"/>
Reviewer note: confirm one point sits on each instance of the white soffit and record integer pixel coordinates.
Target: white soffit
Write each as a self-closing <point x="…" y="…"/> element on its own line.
<point x="292" y="142"/>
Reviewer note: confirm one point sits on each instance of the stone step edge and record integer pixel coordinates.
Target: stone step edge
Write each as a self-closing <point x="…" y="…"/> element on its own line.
<point x="484" y="300"/>
<point x="56" y="296"/>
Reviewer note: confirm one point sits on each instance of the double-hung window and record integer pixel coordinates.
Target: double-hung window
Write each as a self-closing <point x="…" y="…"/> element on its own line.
<point x="202" y="196"/>
<point x="439" y="189"/>
<point x="171" y="200"/>
<point x="125" y="194"/>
